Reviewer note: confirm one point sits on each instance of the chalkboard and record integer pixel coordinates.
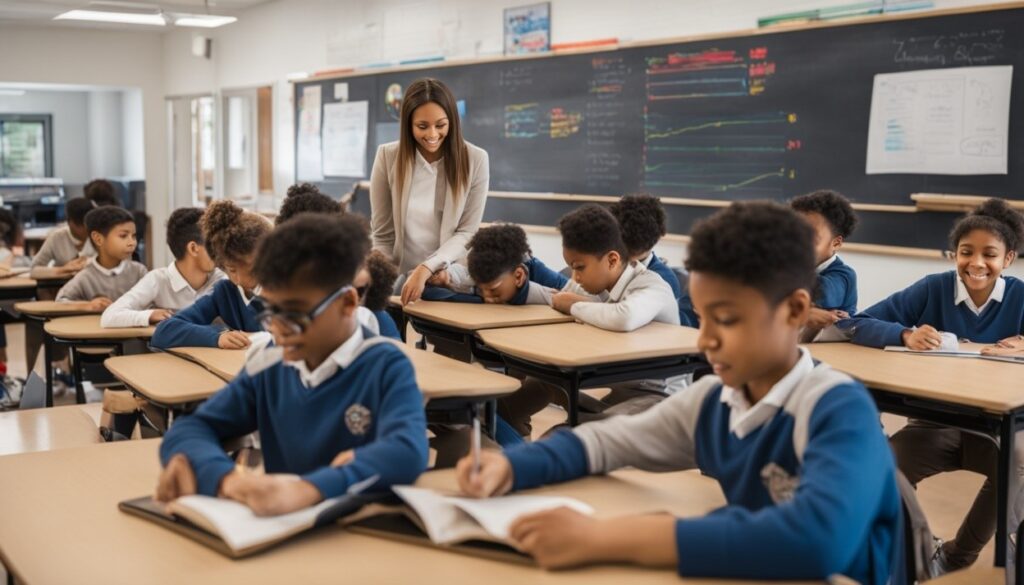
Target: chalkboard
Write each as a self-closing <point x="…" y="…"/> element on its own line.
<point x="761" y="116"/>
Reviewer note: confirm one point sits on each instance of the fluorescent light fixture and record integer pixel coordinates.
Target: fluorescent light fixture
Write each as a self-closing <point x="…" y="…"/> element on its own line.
<point x="12" y="92"/>
<point x="202" y="20"/>
<point x="150" y="18"/>
<point x="296" y="76"/>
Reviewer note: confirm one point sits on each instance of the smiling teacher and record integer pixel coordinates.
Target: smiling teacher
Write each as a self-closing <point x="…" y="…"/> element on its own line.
<point x="428" y="190"/>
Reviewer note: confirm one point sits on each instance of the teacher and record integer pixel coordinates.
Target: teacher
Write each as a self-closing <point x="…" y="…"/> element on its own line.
<point x="428" y="189"/>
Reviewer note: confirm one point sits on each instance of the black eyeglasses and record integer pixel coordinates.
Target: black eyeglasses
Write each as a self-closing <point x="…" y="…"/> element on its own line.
<point x="296" y="321"/>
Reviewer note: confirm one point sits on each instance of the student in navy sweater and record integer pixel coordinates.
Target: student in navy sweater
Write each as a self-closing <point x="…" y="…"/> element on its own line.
<point x="643" y="223"/>
<point x="833" y="220"/>
<point x="231" y="236"/>
<point x="381" y="275"/>
<point x="975" y="302"/>
<point x="796" y="446"/>
<point x="329" y="386"/>
<point x="306" y="198"/>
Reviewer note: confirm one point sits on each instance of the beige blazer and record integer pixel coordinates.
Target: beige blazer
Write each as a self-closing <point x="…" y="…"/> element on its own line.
<point x="459" y="220"/>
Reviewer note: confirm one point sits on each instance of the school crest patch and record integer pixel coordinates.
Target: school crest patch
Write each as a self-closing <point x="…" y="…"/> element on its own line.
<point x="780" y="485"/>
<point x="358" y="419"/>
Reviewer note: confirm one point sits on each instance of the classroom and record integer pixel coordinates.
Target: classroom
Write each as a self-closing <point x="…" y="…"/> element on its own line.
<point x="512" y="291"/>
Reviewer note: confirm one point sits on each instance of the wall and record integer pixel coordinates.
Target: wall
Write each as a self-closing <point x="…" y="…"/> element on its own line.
<point x="70" y="128"/>
<point x="106" y="151"/>
<point x="112" y="59"/>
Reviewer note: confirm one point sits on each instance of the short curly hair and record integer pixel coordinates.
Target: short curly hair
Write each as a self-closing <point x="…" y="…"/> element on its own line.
<point x="316" y="250"/>
<point x="642" y="219"/>
<point x="591" y="229"/>
<point x="182" y="228"/>
<point x="996" y="216"/>
<point x="105" y="218"/>
<point x="762" y="245"/>
<point x="831" y="205"/>
<point x="306" y="202"/>
<point x="101" y="192"/>
<point x="495" y="250"/>
<point x="383" y="274"/>
<point x="75" y="209"/>
<point x="230" y="232"/>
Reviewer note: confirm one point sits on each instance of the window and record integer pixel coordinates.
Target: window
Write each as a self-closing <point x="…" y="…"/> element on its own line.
<point x="26" y="149"/>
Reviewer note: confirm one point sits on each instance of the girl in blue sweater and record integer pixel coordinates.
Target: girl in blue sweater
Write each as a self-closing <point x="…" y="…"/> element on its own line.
<point x="976" y="302"/>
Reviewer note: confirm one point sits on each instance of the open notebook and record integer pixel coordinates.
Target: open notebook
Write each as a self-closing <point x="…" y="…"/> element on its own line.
<point x="467" y="525"/>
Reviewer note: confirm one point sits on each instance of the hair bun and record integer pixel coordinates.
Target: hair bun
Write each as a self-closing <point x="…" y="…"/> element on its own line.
<point x="220" y="216"/>
<point x="1000" y="210"/>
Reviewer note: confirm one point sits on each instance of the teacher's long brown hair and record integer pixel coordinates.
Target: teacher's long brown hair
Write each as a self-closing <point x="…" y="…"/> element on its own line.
<point x="456" y="156"/>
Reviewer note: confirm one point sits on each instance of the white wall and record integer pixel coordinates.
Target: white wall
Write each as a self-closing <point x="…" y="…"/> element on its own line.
<point x="70" y="128"/>
<point x="105" y="134"/>
<point x="114" y="59"/>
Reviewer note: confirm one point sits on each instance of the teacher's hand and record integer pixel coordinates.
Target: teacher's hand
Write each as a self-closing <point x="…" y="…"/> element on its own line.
<point x="414" y="285"/>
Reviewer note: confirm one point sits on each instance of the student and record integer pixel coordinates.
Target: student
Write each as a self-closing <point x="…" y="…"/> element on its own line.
<point x="381" y="275"/>
<point x="112" y="272"/>
<point x="642" y="220"/>
<point x="974" y="301"/>
<point x="11" y="237"/>
<point x="165" y="290"/>
<point x="795" y="445"/>
<point x="102" y="192"/>
<point x="498" y="269"/>
<point x="335" y="388"/>
<point x="68" y="247"/>
<point x="607" y="291"/>
<point x="833" y="220"/>
<point x="231" y="236"/>
<point x="305" y="198"/>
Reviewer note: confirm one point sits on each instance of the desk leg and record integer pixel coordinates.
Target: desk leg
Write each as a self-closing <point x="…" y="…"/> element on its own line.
<point x="491" y="419"/>
<point x="79" y="370"/>
<point x="1008" y="490"/>
<point x="48" y="367"/>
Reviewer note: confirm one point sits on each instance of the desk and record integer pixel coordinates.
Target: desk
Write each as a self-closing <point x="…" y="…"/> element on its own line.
<point x="84" y="330"/>
<point x="44" y="429"/>
<point x="50" y="276"/>
<point x="35" y="236"/>
<point x="17" y="288"/>
<point x="460" y="322"/>
<point x="223" y="363"/>
<point x="973" y="394"/>
<point x="85" y="525"/>
<point x="53" y="309"/>
<point x="164" y="379"/>
<point x="973" y="576"/>
<point x="575" y="356"/>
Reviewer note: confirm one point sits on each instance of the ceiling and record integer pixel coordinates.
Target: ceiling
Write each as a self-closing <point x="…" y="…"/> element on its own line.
<point x="41" y="12"/>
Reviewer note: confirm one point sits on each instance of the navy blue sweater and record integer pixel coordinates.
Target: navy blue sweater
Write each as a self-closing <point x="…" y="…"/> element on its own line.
<point x="536" y="271"/>
<point x="837" y="288"/>
<point x="929" y="301"/>
<point x="192" y="326"/>
<point x="372" y="405"/>
<point x="387" y="325"/>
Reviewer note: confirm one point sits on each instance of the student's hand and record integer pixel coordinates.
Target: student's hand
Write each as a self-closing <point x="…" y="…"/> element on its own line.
<point x="558" y="538"/>
<point x="493" y="479"/>
<point x="158" y="315"/>
<point x="1001" y="350"/>
<point x="176" y="480"/>
<point x="233" y="340"/>
<point x="269" y="495"/>
<point x="923" y="338"/>
<point x="344" y="458"/>
<point x="822" y="318"/>
<point x="99" y="304"/>
<point x="414" y="285"/>
<point x="1015" y="342"/>
<point x="75" y="265"/>
<point x="563" y="301"/>
<point x="440" y="278"/>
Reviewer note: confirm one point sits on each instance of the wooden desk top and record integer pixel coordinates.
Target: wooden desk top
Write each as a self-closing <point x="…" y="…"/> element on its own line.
<point x="40" y="232"/>
<point x="87" y="327"/>
<point x="84" y="525"/>
<point x="55" y="309"/>
<point x="17" y="282"/>
<point x="164" y="378"/>
<point x="973" y="576"/>
<point x="49" y="273"/>
<point x="437" y="376"/>
<point x="992" y="386"/>
<point x="44" y="429"/>
<point x="577" y="344"/>
<point x="472" y="317"/>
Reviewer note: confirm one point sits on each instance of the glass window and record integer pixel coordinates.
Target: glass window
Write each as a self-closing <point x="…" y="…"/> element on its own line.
<point x="25" y="149"/>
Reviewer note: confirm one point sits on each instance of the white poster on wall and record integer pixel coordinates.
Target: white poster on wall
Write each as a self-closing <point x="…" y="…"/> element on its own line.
<point x="940" y="121"/>
<point x="308" y="152"/>
<point x="345" y="128"/>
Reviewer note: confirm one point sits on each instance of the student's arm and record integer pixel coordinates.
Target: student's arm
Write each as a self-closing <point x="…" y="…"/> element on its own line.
<point x="382" y="225"/>
<point x="637" y="309"/>
<point x="229" y="413"/>
<point x="134" y="307"/>
<point x="544" y="276"/>
<point x="832" y="288"/>
<point x="469" y="221"/>
<point x="190" y="327"/>
<point x="845" y="481"/>
<point x="884" y="323"/>
<point x="74" y="290"/>
<point x="398" y="453"/>
<point x="459" y="279"/>
<point x="45" y="254"/>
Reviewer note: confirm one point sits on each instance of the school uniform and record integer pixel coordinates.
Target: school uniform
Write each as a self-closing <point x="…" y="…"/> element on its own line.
<point x="463" y="289"/>
<point x="192" y="326"/>
<point x="923" y="449"/>
<point x="363" y="397"/>
<point x="836" y="286"/>
<point x="96" y="281"/>
<point x="782" y="464"/>
<point x="386" y="325"/>
<point x="61" y="247"/>
<point x="163" y="288"/>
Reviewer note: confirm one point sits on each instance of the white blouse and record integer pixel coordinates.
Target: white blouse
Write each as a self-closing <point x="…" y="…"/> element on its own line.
<point x="422" y="220"/>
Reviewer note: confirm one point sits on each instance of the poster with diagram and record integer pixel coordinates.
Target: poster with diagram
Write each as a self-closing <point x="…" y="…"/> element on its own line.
<point x="308" y="165"/>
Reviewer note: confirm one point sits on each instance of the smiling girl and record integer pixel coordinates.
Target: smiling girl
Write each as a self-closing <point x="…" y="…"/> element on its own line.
<point x="428" y="189"/>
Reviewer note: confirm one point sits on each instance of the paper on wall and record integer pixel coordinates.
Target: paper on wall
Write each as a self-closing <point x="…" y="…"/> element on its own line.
<point x="345" y="127"/>
<point x="308" y="151"/>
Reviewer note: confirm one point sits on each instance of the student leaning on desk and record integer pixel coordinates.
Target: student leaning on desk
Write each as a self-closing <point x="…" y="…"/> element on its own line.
<point x="796" y="446"/>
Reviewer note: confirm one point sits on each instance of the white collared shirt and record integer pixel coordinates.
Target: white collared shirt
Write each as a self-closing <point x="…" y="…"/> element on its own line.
<point x="821" y="267"/>
<point x="962" y="296"/>
<point x="339" y="358"/>
<point x="745" y="418"/>
<point x="109" y="271"/>
<point x="422" y="220"/>
<point x="638" y="297"/>
<point x="163" y="288"/>
<point x="246" y="298"/>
